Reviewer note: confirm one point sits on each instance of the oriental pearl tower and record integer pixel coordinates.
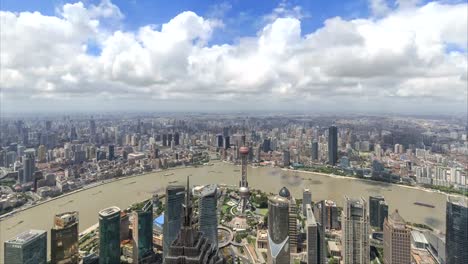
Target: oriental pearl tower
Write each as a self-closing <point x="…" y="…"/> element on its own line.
<point x="244" y="192"/>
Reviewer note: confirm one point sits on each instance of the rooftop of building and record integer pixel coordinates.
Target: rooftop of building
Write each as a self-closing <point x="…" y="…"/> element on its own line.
<point x="109" y="211"/>
<point x="310" y="216"/>
<point x="460" y="201"/>
<point x="276" y="199"/>
<point x="26" y="236"/>
<point x="209" y="190"/>
<point x="396" y="220"/>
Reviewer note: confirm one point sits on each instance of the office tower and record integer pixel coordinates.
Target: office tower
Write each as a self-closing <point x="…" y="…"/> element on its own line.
<point x="176" y="138"/>
<point x="227" y="142"/>
<point x="92" y="127"/>
<point x="378" y="210"/>
<point x="190" y="245"/>
<point x="73" y="134"/>
<point x="266" y="145"/>
<point x="331" y="215"/>
<point x="164" y="140"/>
<point x="286" y="158"/>
<point x="27" y="248"/>
<point x="284" y="192"/>
<point x="355" y="238"/>
<point x="29" y="166"/>
<point x="225" y="131"/>
<point x="172" y="217"/>
<point x="457" y="230"/>
<point x="48" y="125"/>
<point x="315" y="239"/>
<point x="41" y="153"/>
<point x="397" y="240"/>
<point x="208" y="218"/>
<point x="64" y="239"/>
<point x="244" y="192"/>
<point x="315" y="150"/>
<point x="306" y="199"/>
<point x="109" y="235"/>
<point x="142" y="231"/>
<point x="278" y="230"/>
<point x="332" y="145"/>
<point x="219" y="140"/>
<point x="111" y="151"/>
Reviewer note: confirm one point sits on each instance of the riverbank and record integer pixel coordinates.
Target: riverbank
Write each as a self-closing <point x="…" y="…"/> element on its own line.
<point x="87" y="187"/>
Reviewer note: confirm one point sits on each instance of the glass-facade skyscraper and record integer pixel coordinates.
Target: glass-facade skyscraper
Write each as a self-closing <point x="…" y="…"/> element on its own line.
<point x="175" y="196"/>
<point x="109" y="235"/>
<point x="457" y="231"/>
<point x="208" y="219"/>
<point x="143" y="229"/>
<point x="378" y="211"/>
<point x="332" y="145"/>
<point x="278" y="230"/>
<point x="27" y="247"/>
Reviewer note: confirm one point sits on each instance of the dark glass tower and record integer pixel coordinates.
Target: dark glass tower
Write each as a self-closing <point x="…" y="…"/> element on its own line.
<point x="315" y="150"/>
<point x="111" y="152"/>
<point x="332" y="145"/>
<point x="378" y="211"/>
<point x="172" y="217"/>
<point x="208" y="218"/>
<point x="109" y="235"/>
<point x="315" y="239"/>
<point x="143" y="229"/>
<point x="457" y="231"/>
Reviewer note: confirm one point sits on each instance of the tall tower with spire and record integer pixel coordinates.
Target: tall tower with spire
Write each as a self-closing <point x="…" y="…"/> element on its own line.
<point x="244" y="191"/>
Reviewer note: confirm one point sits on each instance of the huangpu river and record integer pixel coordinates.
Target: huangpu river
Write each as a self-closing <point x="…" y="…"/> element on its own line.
<point x="124" y="192"/>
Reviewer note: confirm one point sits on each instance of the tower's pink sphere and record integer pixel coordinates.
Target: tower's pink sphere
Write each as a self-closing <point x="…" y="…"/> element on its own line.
<point x="244" y="150"/>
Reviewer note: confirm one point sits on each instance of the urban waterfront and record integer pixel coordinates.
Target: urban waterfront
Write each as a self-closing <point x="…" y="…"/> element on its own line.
<point x="126" y="191"/>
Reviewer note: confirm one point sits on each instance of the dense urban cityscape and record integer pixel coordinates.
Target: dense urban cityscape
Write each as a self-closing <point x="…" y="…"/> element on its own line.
<point x="53" y="158"/>
<point x="234" y="132"/>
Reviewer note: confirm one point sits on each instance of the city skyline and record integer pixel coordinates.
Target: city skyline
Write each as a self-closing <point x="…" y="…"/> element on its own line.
<point x="325" y="56"/>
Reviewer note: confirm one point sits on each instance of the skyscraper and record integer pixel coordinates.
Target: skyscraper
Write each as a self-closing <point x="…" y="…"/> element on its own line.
<point x="143" y="231"/>
<point x="284" y="192"/>
<point x="355" y="238"/>
<point x="315" y="150"/>
<point x="378" y="211"/>
<point x="64" y="239"/>
<point x="306" y="199"/>
<point x="27" y="247"/>
<point x="208" y="218"/>
<point x="227" y="142"/>
<point x="278" y="230"/>
<point x="172" y="217"/>
<point x="29" y="165"/>
<point x="219" y="141"/>
<point x="176" y="138"/>
<point x="332" y="145"/>
<point x="315" y="239"/>
<point x="397" y="240"/>
<point x="286" y="158"/>
<point x="109" y="235"/>
<point x="190" y="245"/>
<point x="111" y="150"/>
<point x="457" y="230"/>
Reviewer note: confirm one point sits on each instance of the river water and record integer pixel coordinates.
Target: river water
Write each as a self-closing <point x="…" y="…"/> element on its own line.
<point x="124" y="192"/>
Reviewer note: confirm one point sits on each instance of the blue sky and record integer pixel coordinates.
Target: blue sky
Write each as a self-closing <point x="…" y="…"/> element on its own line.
<point x="241" y="17"/>
<point x="399" y="55"/>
